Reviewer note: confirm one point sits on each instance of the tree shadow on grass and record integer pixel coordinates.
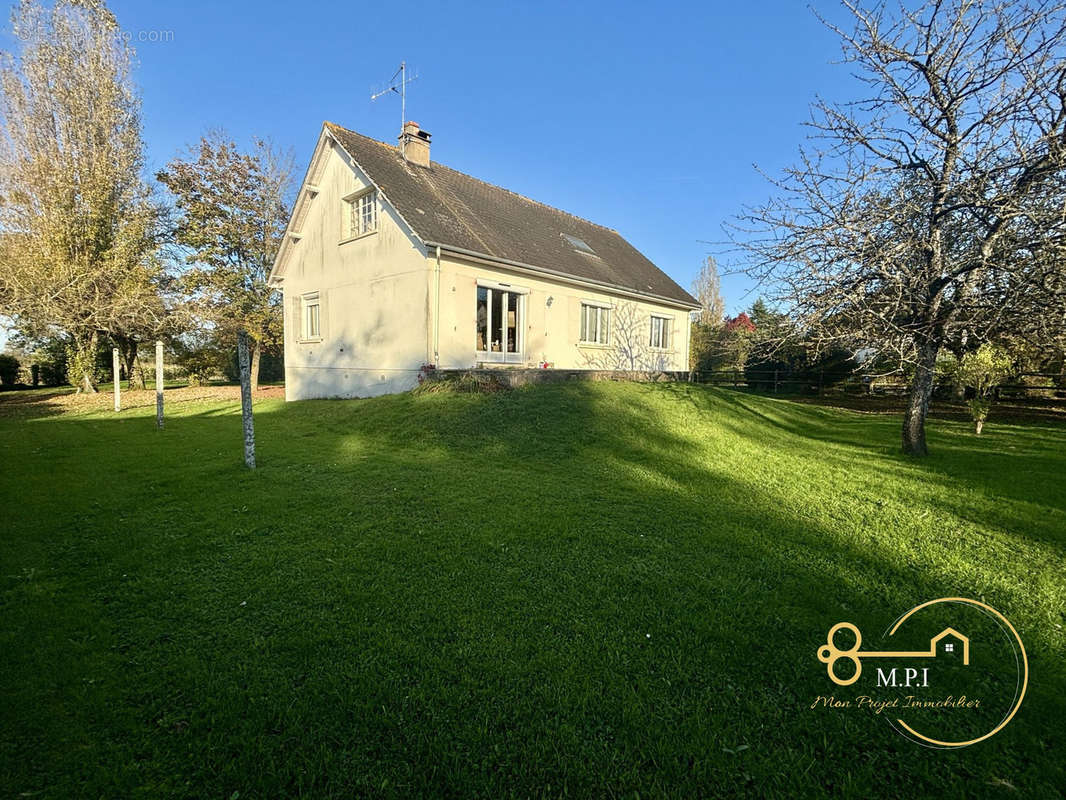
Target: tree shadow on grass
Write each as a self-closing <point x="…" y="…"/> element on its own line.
<point x="581" y="587"/>
<point x="1017" y="463"/>
<point x="31" y="404"/>
<point x="636" y="478"/>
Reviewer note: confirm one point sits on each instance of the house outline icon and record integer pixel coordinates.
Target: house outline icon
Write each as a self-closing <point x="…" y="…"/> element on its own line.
<point x="935" y="641"/>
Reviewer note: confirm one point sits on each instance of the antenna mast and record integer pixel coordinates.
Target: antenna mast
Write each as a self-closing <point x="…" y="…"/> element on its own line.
<point x="400" y="87"/>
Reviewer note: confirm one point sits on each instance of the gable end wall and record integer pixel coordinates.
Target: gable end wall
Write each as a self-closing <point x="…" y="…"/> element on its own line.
<point x="374" y="294"/>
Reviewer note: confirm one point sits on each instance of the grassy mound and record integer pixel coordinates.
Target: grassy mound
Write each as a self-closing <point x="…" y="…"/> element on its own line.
<point x="587" y="588"/>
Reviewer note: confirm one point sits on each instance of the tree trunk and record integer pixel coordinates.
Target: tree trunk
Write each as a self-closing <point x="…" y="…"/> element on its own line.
<point x="129" y="357"/>
<point x="85" y="362"/>
<point x="142" y="376"/>
<point x="246" y="399"/>
<point x="257" y="351"/>
<point x="918" y="402"/>
<point x="978" y="426"/>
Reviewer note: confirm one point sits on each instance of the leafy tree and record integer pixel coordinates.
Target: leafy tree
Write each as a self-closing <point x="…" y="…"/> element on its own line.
<point x="929" y="211"/>
<point x="741" y="322"/>
<point x="78" y="222"/>
<point x="232" y="213"/>
<point x="734" y="342"/>
<point x="766" y="320"/>
<point x="982" y="371"/>
<point x="699" y="343"/>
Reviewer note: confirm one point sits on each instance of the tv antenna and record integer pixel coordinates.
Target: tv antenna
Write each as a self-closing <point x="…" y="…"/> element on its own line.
<point x="398" y="83"/>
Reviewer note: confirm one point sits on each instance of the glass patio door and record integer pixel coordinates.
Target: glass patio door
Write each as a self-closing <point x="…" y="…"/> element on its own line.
<point x="499" y="325"/>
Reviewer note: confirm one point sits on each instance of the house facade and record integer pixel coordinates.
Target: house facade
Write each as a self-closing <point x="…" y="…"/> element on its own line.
<point x="392" y="262"/>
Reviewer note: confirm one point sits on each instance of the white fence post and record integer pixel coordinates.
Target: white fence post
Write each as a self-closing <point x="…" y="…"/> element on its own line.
<point x="159" y="384"/>
<point x="115" y="368"/>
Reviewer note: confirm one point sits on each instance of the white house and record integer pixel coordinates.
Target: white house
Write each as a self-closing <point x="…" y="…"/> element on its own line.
<point x="392" y="262"/>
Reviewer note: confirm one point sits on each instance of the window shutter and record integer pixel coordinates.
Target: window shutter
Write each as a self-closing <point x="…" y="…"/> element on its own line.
<point x="323" y="313"/>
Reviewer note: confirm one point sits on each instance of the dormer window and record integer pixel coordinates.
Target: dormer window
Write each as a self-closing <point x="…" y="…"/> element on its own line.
<point x="361" y="214"/>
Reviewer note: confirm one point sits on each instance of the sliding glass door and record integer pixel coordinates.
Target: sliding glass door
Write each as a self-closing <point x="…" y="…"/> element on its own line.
<point x="499" y="325"/>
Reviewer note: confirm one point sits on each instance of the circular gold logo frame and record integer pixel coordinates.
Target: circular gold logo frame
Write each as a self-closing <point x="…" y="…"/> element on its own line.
<point x="1019" y="693"/>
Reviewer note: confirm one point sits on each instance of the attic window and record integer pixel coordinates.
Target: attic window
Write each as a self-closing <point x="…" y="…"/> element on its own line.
<point x="578" y="244"/>
<point x="361" y="214"/>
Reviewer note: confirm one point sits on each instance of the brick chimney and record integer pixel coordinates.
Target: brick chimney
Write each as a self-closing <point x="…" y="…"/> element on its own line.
<point x="414" y="144"/>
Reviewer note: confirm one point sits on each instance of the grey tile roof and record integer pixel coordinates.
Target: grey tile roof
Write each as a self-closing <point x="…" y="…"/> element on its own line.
<point x="447" y="207"/>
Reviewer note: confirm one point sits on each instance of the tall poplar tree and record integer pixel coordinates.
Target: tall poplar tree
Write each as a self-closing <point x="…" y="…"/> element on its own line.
<point x="77" y="222"/>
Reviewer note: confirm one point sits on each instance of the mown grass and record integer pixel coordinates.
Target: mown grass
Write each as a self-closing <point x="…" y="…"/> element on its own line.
<point x="589" y="589"/>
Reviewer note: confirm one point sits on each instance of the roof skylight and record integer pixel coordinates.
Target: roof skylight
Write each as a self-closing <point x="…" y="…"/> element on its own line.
<point x="578" y="244"/>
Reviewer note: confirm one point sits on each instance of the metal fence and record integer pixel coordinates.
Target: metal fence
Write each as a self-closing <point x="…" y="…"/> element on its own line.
<point x="1024" y="386"/>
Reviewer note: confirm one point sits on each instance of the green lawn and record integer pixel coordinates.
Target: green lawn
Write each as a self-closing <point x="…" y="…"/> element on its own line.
<point x="579" y="589"/>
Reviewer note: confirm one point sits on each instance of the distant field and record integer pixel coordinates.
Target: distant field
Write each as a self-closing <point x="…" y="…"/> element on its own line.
<point x="577" y="589"/>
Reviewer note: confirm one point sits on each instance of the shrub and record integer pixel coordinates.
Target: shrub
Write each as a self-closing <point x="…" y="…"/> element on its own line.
<point x="52" y="365"/>
<point x="797" y="372"/>
<point x="463" y="383"/>
<point x="9" y="370"/>
<point x="81" y="363"/>
<point x="201" y="364"/>
<point x="271" y="366"/>
<point x="982" y="371"/>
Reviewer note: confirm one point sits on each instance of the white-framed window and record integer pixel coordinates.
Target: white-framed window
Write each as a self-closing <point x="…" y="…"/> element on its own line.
<point x="595" y="324"/>
<point x="660" y="333"/>
<point x="499" y="322"/>
<point x="311" y="316"/>
<point x="361" y="214"/>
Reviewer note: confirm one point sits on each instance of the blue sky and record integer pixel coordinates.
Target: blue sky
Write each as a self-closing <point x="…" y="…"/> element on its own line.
<point x="643" y="117"/>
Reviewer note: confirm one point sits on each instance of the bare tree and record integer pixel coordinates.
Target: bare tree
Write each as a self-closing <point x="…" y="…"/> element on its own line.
<point x="77" y="224"/>
<point x="932" y="210"/>
<point x="708" y="290"/>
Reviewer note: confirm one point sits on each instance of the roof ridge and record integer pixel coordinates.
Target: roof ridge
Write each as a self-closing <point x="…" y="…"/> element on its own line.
<point x="434" y="164"/>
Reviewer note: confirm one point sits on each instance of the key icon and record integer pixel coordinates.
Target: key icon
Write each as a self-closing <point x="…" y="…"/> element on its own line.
<point x="830" y="653"/>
